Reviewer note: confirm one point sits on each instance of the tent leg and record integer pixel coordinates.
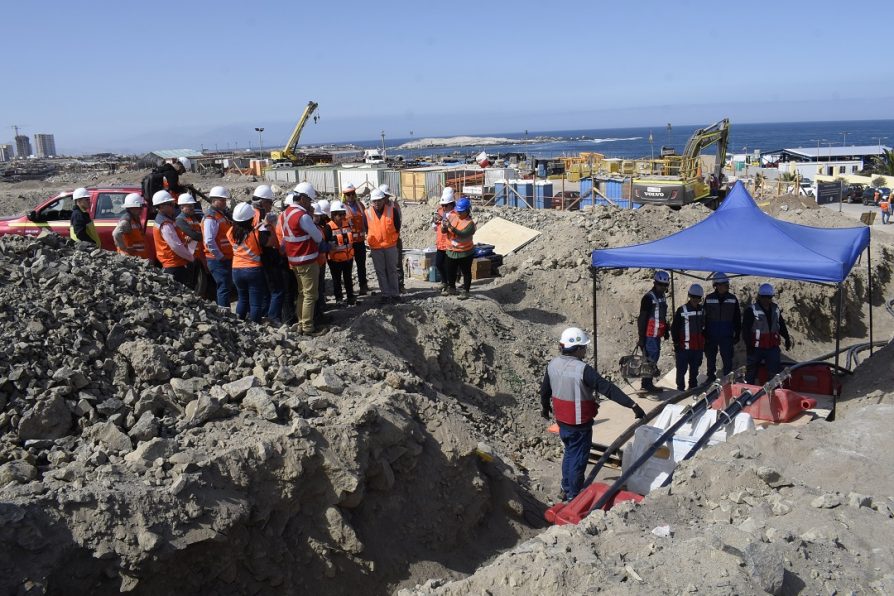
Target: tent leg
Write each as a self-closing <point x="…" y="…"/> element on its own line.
<point x="837" y="346"/>
<point x="594" y="274"/>
<point x="869" y="277"/>
<point x="673" y="308"/>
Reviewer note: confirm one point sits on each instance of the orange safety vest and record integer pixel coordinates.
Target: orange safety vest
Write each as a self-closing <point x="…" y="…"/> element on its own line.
<point x="246" y="254"/>
<point x="355" y="217"/>
<point x="164" y="253"/>
<point x="134" y="240"/>
<point x="300" y="248"/>
<point x="223" y="243"/>
<point x="381" y="232"/>
<point x="342" y="248"/>
<point x="441" y="240"/>
<point x="200" y="246"/>
<point x="885" y="205"/>
<point x="458" y="244"/>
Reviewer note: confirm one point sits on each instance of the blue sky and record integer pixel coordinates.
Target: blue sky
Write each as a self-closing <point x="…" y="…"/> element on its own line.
<point x="135" y="76"/>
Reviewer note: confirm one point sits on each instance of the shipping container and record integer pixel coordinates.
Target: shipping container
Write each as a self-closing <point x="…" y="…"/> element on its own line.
<point x="364" y="179"/>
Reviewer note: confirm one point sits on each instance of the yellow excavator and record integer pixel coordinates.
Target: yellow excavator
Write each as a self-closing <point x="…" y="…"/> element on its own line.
<point x="680" y="181"/>
<point x="289" y="153"/>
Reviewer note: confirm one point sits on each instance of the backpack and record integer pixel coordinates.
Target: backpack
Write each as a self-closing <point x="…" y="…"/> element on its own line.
<point x="152" y="182"/>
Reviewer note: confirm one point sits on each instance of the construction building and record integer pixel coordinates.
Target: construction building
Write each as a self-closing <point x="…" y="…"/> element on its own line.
<point x="6" y="153"/>
<point x="23" y="146"/>
<point x="810" y="162"/>
<point x="44" y="145"/>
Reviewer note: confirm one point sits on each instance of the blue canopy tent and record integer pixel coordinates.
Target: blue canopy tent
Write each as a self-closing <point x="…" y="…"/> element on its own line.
<point x="741" y="239"/>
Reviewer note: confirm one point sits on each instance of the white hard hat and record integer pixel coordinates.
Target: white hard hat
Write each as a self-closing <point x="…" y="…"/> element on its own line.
<point x="447" y="196"/>
<point x="263" y="192"/>
<point x="186" y="199"/>
<point x="219" y="192"/>
<point x="133" y="200"/>
<point x="349" y="188"/>
<point x="385" y="190"/>
<point x="324" y="206"/>
<point x="306" y="189"/>
<point x="289" y="199"/>
<point x="161" y="197"/>
<point x="243" y="212"/>
<point x="336" y="206"/>
<point x="718" y="278"/>
<point x="696" y="290"/>
<point x="377" y="195"/>
<point x="185" y="161"/>
<point x="80" y="193"/>
<point x="662" y="277"/>
<point x="316" y="208"/>
<point x="574" y="336"/>
<point x="766" y="290"/>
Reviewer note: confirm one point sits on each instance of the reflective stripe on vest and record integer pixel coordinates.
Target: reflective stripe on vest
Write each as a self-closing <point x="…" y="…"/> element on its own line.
<point x="381" y="232"/>
<point x="342" y="249"/>
<point x="693" y="329"/>
<point x="722" y="310"/>
<point x="658" y="321"/>
<point x="164" y="253"/>
<point x="223" y="243"/>
<point x="299" y="249"/>
<point x="246" y="254"/>
<point x="456" y="243"/>
<point x="573" y="402"/>
<point x="765" y="334"/>
<point x="355" y="216"/>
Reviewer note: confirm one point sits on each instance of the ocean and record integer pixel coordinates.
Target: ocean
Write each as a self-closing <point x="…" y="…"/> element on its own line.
<point x="634" y="142"/>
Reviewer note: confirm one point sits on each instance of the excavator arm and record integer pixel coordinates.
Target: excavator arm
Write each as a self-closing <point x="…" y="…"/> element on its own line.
<point x="289" y="151"/>
<point x="700" y="140"/>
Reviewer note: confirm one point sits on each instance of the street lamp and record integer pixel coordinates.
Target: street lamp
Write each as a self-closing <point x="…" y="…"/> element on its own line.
<point x="879" y="139"/>
<point x="260" y="130"/>
<point x="844" y="138"/>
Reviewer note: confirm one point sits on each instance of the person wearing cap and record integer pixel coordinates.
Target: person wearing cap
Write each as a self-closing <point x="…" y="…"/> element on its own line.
<point x="356" y="212"/>
<point x="129" y="234"/>
<point x="390" y="200"/>
<point x="688" y="333"/>
<point x="762" y="326"/>
<point x="383" y="230"/>
<point x="652" y="323"/>
<point x="341" y="254"/>
<point x="218" y="250"/>
<point x="248" y="271"/>
<point x="301" y="243"/>
<point x="442" y="243"/>
<point x="265" y="222"/>
<point x="170" y="247"/>
<point x="82" y="228"/>
<point x="723" y="325"/>
<point x="568" y="391"/>
<point x="459" y="228"/>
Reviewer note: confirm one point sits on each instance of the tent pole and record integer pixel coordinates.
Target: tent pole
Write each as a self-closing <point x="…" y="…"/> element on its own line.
<point x="593" y="273"/>
<point x="869" y="276"/>
<point x="673" y="304"/>
<point x="838" y="326"/>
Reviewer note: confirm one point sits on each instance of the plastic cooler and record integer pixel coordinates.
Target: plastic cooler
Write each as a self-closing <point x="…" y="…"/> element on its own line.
<point x="783" y="405"/>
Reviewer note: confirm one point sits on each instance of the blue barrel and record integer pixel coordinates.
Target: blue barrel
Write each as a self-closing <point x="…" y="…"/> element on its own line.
<point x="525" y="190"/>
<point x="543" y="195"/>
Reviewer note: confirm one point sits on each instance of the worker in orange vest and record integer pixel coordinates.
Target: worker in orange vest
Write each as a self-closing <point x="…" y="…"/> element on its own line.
<point x="218" y="251"/>
<point x="301" y="241"/>
<point x="442" y="243"/>
<point x="129" y="235"/>
<point x="391" y="200"/>
<point x="170" y="248"/>
<point x="248" y="271"/>
<point x="459" y="228"/>
<point x="356" y="213"/>
<point x="383" y="231"/>
<point x="341" y="253"/>
<point x="885" y="206"/>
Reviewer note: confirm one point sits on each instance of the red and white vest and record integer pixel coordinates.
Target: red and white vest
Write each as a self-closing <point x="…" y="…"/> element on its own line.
<point x="692" y="333"/>
<point x="573" y="402"/>
<point x="299" y="247"/>
<point x="765" y="333"/>
<point x="657" y="323"/>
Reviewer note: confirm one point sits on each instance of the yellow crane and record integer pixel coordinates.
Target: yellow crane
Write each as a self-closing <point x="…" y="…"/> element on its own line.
<point x="289" y="151"/>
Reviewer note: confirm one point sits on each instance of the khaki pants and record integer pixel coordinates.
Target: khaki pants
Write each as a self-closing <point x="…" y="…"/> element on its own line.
<point x="307" y="277"/>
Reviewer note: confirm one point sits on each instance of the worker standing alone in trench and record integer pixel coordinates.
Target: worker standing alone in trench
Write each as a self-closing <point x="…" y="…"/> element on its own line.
<point x="568" y="390"/>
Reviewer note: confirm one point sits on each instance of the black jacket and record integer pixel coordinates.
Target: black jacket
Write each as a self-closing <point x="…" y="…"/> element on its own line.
<point x="79" y="222"/>
<point x="173" y="178"/>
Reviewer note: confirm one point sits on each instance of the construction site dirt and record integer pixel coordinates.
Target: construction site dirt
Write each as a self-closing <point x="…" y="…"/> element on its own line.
<point x="153" y="443"/>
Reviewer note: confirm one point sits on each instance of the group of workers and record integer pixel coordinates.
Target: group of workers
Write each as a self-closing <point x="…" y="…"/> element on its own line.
<point x="707" y="325"/>
<point x="277" y="261"/>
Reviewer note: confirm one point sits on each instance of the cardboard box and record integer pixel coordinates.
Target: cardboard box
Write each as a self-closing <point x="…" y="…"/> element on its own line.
<point x="481" y="268"/>
<point x="416" y="265"/>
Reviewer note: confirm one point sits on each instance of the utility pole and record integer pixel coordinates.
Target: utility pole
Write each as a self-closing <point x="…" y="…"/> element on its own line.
<point x="383" y="144"/>
<point x="260" y="140"/>
<point x="843" y="138"/>
<point x="879" y="139"/>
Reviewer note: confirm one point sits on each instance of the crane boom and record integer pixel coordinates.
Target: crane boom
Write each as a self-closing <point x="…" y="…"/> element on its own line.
<point x="289" y="151"/>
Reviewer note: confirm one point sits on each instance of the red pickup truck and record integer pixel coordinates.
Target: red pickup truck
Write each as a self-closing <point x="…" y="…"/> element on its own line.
<point x="54" y="215"/>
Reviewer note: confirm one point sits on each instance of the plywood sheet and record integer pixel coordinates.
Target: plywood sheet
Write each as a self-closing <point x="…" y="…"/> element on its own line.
<point x="507" y="237"/>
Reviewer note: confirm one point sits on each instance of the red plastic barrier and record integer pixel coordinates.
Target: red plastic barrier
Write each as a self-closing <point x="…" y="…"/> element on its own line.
<point x="782" y="406"/>
<point x="576" y="509"/>
<point x="815" y="378"/>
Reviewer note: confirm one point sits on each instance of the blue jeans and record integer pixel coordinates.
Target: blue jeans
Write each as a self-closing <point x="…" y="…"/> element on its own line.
<point x="724" y="345"/>
<point x="758" y="356"/>
<point x="689" y="360"/>
<point x="652" y="350"/>
<point x="886" y="216"/>
<point x="276" y="290"/>
<point x="221" y="271"/>
<point x="251" y="284"/>
<point x="577" y="443"/>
